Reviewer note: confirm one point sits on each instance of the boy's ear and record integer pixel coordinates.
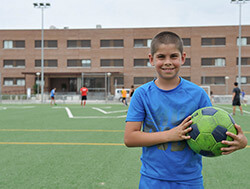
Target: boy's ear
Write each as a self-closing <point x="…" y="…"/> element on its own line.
<point x="183" y="58"/>
<point x="151" y="59"/>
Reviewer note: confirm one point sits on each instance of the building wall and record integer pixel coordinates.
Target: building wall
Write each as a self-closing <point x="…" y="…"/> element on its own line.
<point x="128" y="53"/>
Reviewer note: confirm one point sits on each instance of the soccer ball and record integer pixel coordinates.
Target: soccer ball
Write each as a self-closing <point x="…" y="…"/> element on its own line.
<point x="209" y="128"/>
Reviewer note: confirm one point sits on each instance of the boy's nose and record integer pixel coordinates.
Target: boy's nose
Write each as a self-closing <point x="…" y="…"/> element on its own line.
<point x="167" y="61"/>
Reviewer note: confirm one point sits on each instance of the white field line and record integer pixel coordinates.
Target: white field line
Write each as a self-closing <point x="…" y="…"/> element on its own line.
<point x="100" y="110"/>
<point x="69" y="112"/>
<point x="70" y="115"/>
<point x="237" y="109"/>
<point x="16" y="107"/>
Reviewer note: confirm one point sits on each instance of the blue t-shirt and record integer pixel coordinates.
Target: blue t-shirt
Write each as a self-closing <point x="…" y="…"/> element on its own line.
<point x="52" y="93"/>
<point x="161" y="110"/>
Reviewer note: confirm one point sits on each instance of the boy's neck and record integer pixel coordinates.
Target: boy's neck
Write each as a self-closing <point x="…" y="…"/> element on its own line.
<point x="167" y="84"/>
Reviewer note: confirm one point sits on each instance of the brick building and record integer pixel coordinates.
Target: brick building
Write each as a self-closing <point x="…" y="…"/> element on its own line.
<point x="76" y="56"/>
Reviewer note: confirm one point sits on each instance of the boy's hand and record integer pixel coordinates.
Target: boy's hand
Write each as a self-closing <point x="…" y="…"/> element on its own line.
<point x="239" y="142"/>
<point x="179" y="132"/>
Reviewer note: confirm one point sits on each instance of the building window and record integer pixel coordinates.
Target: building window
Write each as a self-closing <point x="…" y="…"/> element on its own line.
<point x="14" y="81"/>
<point x="213" y="41"/>
<point x="244" y="79"/>
<point x="142" y="80"/>
<point x="14" y="63"/>
<point x="186" y="42"/>
<point x="20" y="82"/>
<point x="118" y="80"/>
<point x="213" y="80"/>
<point x="78" y="43"/>
<point x="111" y="62"/>
<point x="244" y="41"/>
<point x="142" y="63"/>
<point x="47" y="43"/>
<point x="47" y="63"/>
<point x="244" y="61"/>
<point x="218" y="62"/>
<point x="138" y="43"/>
<point x="112" y="43"/>
<point x="187" y="62"/>
<point x="14" y="44"/>
<point x="86" y="63"/>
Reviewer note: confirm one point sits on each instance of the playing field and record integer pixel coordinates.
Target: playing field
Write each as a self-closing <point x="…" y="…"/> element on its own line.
<point x="66" y="146"/>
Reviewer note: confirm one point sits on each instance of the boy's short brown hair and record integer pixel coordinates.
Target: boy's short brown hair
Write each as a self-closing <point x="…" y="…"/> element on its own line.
<point x="166" y="37"/>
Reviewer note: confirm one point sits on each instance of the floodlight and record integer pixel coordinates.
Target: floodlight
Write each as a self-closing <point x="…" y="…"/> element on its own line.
<point x="42" y="6"/>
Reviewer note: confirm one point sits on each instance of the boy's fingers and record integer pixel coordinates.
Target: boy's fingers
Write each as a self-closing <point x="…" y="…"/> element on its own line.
<point x="187" y="119"/>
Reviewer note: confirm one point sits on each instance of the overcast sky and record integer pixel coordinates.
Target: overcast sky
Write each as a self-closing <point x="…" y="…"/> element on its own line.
<point x="20" y="14"/>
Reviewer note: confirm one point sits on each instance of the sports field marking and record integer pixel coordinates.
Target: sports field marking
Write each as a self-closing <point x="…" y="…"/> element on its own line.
<point x="64" y="143"/>
<point x="223" y="107"/>
<point x="16" y="107"/>
<point x="101" y="110"/>
<point x="70" y="115"/>
<point x="69" y="112"/>
<point x="57" y="130"/>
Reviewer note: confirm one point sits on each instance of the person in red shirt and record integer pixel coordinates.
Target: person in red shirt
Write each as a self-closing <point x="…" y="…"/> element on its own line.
<point x="84" y="92"/>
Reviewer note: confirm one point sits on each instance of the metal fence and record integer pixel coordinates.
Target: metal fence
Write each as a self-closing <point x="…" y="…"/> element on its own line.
<point x="100" y="97"/>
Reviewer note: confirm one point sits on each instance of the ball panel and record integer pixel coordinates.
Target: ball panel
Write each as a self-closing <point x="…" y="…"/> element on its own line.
<point x="206" y="124"/>
<point x="194" y="132"/>
<point x="219" y="133"/>
<point x="207" y="153"/>
<point x="231" y="118"/>
<point x="206" y="141"/>
<point x="209" y="111"/>
<point x="194" y="145"/>
<point x="223" y="119"/>
<point x="216" y="149"/>
<point x="196" y="115"/>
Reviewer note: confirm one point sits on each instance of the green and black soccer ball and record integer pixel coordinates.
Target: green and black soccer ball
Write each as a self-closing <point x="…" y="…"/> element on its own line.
<point x="209" y="128"/>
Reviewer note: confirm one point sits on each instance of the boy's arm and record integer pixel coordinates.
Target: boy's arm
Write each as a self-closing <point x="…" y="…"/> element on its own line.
<point x="239" y="142"/>
<point x="233" y="95"/>
<point x="134" y="137"/>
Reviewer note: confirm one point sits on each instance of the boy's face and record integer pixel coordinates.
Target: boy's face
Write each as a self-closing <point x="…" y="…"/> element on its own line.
<point x="167" y="61"/>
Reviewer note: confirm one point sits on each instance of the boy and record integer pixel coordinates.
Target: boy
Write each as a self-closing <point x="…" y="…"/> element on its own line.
<point x="162" y="108"/>
<point x="52" y="96"/>
<point x="124" y="96"/>
<point x="84" y="92"/>
<point x="236" y="98"/>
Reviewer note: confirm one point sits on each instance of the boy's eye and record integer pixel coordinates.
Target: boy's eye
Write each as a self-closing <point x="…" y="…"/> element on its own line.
<point x="160" y="56"/>
<point x="174" y="56"/>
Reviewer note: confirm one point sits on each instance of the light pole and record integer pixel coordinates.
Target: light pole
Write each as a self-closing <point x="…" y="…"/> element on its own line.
<point x="239" y="2"/>
<point x="38" y="74"/>
<point x="226" y="78"/>
<point x="42" y="6"/>
<point x="108" y="74"/>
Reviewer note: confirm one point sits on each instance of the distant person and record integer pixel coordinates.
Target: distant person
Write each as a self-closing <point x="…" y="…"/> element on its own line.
<point x="84" y="92"/>
<point x="52" y="96"/>
<point x="124" y="96"/>
<point x="212" y="97"/>
<point x="236" y="98"/>
<point x="244" y="101"/>
<point x="131" y="91"/>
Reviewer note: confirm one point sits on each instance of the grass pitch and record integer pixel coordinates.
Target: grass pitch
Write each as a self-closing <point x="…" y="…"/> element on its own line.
<point x="67" y="146"/>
